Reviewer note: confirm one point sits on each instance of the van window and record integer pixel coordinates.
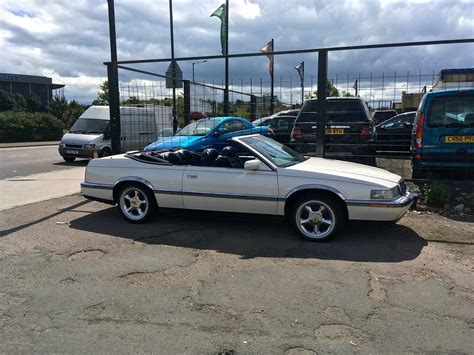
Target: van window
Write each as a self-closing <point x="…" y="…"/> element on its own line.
<point x="337" y="111"/>
<point x="455" y="111"/>
<point x="89" y="125"/>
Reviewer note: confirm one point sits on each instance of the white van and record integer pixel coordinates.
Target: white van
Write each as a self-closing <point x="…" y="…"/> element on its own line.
<point x="91" y="132"/>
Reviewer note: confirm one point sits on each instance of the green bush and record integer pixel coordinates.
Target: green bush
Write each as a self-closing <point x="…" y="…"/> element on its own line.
<point x="29" y="127"/>
<point x="435" y="193"/>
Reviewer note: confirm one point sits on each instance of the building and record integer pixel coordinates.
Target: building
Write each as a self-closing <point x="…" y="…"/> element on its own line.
<point x="40" y="86"/>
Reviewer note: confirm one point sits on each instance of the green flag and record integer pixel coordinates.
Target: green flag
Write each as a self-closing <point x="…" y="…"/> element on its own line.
<point x="221" y="13"/>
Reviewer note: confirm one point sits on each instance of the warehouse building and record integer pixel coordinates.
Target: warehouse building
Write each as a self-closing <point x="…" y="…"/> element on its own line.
<point x="40" y="86"/>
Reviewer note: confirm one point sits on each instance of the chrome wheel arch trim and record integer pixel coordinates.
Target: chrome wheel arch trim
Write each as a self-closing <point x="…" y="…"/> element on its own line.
<point x="315" y="186"/>
<point x="134" y="179"/>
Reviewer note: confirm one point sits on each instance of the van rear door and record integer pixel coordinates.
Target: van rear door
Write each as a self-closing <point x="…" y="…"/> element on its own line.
<point x="448" y="133"/>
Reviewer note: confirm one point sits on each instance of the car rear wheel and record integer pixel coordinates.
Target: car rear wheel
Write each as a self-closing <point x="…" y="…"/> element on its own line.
<point x="136" y="203"/>
<point x="317" y="218"/>
<point x="105" y="152"/>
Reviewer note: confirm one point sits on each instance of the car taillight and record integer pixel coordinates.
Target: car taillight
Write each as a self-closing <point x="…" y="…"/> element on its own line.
<point x="296" y="133"/>
<point x="365" y="131"/>
<point x="419" y="130"/>
<point x="271" y="131"/>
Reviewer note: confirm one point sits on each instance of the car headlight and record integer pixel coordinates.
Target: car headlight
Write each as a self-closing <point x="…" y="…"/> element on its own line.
<point x="88" y="146"/>
<point x="385" y="194"/>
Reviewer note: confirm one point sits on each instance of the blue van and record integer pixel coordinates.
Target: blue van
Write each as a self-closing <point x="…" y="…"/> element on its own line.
<point x="443" y="132"/>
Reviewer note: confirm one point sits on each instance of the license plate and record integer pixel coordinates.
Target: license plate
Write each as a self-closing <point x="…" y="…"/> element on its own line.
<point x="459" y="139"/>
<point x="72" y="151"/>
<point x="334" y="131"/>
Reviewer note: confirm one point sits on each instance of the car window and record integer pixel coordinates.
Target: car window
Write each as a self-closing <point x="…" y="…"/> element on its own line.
<point x="233" y="126"/>
<point x="337" y="111"/>
<point x="198" y="128"/>
<point x="285" y="123"/>
<point x="452" y="111"/>
<point x="398" y="123"/>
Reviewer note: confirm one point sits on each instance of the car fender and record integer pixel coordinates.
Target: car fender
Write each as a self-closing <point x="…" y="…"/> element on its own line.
<point x="134" y="179"/>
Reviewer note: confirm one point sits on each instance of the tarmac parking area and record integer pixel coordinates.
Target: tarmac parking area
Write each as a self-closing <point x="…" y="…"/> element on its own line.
<point x="75" y="277"/>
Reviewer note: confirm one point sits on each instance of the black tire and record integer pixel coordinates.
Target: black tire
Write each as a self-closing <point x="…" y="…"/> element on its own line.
<point x="140" y="205"/>
<point x="68" y="158"/>
<point x="333" y="210"/>
<point x="105" y="152"/>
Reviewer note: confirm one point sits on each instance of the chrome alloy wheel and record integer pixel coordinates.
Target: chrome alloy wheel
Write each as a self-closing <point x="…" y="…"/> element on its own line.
<point x="134" y="203"/>
<point x="315" y="219"/>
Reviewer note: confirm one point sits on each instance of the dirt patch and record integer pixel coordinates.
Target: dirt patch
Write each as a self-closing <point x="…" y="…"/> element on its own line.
<point x="377" y="292"/>
<point x="299" y="351"/>
<point x="337" y="313"/>
<point x="6" y="303"/>
<point x="86" y="254"/>
<point x="339" y="333"/>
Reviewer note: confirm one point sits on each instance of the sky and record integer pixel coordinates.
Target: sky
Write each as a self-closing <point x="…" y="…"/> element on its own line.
<point x="69" y="40"/>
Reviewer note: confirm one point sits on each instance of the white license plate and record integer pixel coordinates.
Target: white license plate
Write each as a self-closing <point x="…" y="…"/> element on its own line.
<point x="72" y="151"/>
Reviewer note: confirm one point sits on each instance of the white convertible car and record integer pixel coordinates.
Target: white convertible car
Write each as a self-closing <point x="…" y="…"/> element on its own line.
<point x="254" y="174"/>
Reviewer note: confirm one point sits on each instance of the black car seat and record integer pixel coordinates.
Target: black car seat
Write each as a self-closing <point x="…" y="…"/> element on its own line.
<point x="208" y="157"/>
<point x="187" y="157"/>
<point x="229" y="158"/>
<point x="172" y="157"/>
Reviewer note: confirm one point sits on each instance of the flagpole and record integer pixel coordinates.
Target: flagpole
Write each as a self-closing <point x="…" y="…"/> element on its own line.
<point x="302" y="87"/>
<point x="226" y="91"/>
<point x="272" y="78"/>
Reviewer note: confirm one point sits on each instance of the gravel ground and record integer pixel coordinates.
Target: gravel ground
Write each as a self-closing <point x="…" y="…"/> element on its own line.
<point x="75" y="277"/>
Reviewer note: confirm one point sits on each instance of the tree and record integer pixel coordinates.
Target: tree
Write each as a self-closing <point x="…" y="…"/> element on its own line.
<point x="33" y="103"/>
<point x="103" y="94"/>
<point x="74" y="110"/>
<point x="332" y="91"/>
<point x="58" y="107"/>
<point x="6" y="101"/>
<point x="19" y="103"/>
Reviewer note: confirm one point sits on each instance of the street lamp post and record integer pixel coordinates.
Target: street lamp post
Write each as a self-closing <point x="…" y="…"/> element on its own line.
<point x="202" y="61"/>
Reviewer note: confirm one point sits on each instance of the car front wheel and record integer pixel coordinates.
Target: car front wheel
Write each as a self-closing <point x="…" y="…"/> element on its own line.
<point x="136" y="203"/>
<point x="317" y="218"/>
<point x="68" y="159"/>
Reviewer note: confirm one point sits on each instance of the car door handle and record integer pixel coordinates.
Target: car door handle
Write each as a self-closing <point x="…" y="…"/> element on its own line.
<point x="192" y="176"/>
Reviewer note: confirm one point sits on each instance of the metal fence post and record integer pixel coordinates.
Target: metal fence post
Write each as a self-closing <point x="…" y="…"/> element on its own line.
<point x="253" y="107"/>
<point x="321" y="106"/>
<point x="114" y="107"/>
<point x="187" y="102"/>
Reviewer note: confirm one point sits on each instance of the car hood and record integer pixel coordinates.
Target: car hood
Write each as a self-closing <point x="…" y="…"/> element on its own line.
<point x="344" y="171"/>
<point x="79" y="139"/>
<point x="173" y="142"/>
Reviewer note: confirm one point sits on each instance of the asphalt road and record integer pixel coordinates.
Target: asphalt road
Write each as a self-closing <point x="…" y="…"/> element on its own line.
<point x="31" y="160"/>
<point x="75" y="277"/>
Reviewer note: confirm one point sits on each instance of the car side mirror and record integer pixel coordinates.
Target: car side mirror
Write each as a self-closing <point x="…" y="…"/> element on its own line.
<point x="220" y="131"/>
<point x="253" y="164"/>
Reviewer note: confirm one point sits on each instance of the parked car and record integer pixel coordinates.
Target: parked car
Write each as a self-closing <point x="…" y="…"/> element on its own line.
<point x="281" y="126"/>
<point x="394" y="135"/>
<point x="209" y="133"/>
<point x="380" y="116"/>
<point x="293" y="112"/>
<point x="317" y="195"/>
<point x="91" y="132"/>
<point x="443" y="132"/>
<point x="349" y="132"/>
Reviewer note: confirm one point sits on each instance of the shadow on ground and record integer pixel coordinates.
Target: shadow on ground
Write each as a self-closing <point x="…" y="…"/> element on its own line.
<point x="77" y="162"/>
<point x="253" y="236"/>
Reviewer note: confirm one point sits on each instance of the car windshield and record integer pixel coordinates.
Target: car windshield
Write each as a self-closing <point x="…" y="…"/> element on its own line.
<point x="89" y="125"/>
<point x="277" y="153"/>
<point x="447" y="112"/>
<point x="198" y="128"/>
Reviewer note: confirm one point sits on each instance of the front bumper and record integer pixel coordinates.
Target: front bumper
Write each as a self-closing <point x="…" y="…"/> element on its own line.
<point x="374" y="210"/>
<point x="76" y="152"/>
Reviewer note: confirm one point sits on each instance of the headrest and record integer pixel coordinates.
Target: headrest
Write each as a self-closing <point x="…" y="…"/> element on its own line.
<point x="185" y="154"/>
<point x="229" y="151"/>
<point x="209" y="154"/>
<point x="172" y="157"/>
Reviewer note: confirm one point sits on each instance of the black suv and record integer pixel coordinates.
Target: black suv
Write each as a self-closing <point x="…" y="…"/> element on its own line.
<point x="349" y="131"/>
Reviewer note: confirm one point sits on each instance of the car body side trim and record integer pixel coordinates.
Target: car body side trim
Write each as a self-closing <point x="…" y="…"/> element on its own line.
<point x="314" y="186"/>
<point x="218" y="195"/>
<point x="97" y="186"/>
<point x="402" y="201"/>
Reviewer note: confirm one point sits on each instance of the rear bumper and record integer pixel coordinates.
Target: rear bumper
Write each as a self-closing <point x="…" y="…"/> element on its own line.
<point x="98" y="192"/>
<point x="381" y="210"/>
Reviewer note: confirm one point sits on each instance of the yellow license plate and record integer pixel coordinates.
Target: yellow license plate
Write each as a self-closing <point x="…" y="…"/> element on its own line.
<point x="334" y="131"/>
<point x="459" y="139"/>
